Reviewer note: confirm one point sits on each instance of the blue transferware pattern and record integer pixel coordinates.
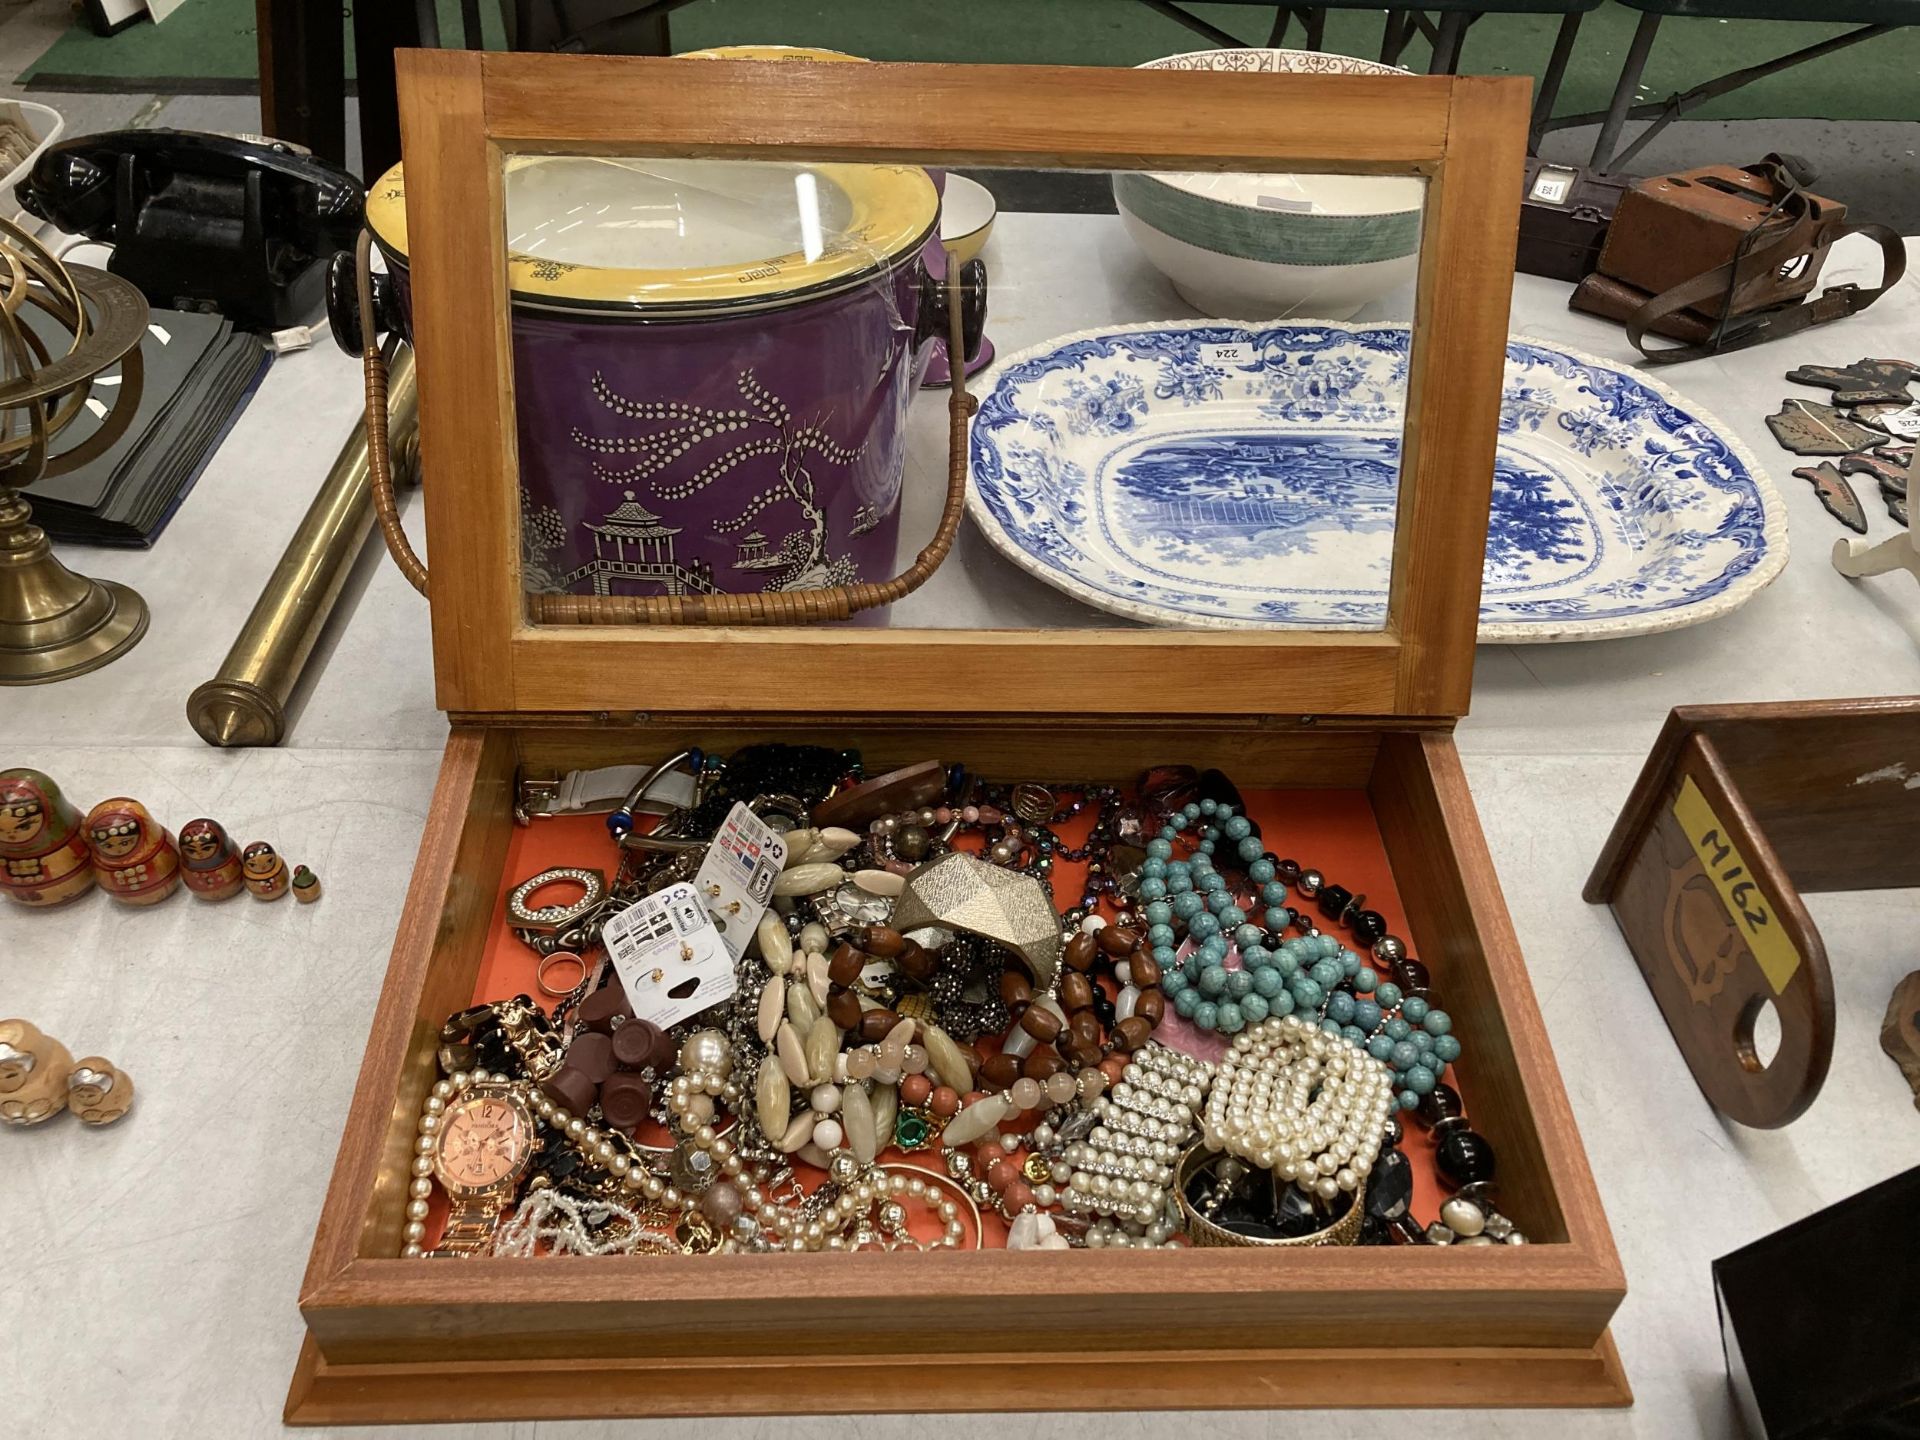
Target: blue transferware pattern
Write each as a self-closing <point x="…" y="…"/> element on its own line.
<point x="1224" y="475"/>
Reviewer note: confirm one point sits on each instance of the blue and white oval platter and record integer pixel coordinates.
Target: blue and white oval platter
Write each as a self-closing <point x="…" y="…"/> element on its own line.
<point x="1209" y="474"/>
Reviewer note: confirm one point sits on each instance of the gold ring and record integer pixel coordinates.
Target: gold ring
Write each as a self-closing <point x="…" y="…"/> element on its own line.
<point x="540" y="975"/>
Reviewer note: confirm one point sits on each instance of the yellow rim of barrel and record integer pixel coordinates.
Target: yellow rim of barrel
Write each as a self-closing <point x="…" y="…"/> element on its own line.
<point x="892" y="210"/>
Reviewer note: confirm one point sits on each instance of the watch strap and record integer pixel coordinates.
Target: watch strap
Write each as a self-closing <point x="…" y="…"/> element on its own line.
<point x="469" y="1230"/>
<point x="594" y="792"/>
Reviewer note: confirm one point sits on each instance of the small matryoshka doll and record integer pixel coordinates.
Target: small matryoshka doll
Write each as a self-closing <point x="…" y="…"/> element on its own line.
<point x="208" y="862"/>
<point x="98" y="1091"/>
<point x="43" y="854"/>
<point x="134" y="857"/>
<point x="266" y="872"/>
<point x="33" y="1074"/>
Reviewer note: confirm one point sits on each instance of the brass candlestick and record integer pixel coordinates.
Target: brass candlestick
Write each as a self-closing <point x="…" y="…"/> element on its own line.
<point x="54" y="623"/>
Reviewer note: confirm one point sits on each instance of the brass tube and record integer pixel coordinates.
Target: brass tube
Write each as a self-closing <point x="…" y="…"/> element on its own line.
<point x="244" y="704"/>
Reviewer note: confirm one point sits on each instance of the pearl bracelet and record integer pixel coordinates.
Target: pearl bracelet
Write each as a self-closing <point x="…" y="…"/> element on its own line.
<point x="1309" y="1106"/>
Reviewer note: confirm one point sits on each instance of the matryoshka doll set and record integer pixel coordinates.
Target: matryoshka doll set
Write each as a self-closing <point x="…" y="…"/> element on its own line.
<point x="49" y="854"/>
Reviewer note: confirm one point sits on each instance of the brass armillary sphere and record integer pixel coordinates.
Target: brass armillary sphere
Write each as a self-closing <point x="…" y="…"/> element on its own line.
<point x="54" y="623"/>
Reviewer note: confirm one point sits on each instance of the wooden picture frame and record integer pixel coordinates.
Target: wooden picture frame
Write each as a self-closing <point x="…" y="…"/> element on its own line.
<point x="401" y="1340"/>
<point x="469" y="111"/>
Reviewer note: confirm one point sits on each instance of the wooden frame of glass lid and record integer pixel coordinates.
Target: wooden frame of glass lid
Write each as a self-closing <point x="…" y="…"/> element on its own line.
<point x="485" y="1338"/>
<point x="470" y="112"/>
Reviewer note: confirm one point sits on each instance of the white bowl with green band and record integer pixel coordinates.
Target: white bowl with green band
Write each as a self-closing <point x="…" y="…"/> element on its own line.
<point x="1275" y="246"/>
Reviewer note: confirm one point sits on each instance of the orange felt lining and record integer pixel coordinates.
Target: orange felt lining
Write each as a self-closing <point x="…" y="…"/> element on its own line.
<point x="1333" y="831"/>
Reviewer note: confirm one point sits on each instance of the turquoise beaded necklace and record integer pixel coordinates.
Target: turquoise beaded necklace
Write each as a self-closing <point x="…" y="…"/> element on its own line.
<point x="1311" y="974"/>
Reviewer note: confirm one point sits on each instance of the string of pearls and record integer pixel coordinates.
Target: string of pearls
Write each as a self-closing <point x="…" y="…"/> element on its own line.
<point x="1309" y="1106"/>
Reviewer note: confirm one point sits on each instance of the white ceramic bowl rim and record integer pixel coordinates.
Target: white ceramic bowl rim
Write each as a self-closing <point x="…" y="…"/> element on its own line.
<point x="1391" y="194"/>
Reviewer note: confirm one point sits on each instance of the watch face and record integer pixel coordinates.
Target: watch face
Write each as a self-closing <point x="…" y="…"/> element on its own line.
<point x="484" y="1139"/>
<point x="862" y="908"/>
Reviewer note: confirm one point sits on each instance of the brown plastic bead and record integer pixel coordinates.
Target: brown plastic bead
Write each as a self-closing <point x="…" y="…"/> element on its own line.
<point x="1151" y="1007"/>
<point x="624" y="1099"/>
<point x="598" y="1010"/>
<point x="1084" y="1027"/>
<point x="1080" y="952"/>
<point x="845" y="966"/>
<point x="1000" y="1071"/>
<point x="1041" y="1062"/>
<point x="1076" y="991"/>
<point x="1116" y="940"/>
<point x="881" y="940"/>
<point x="1133" y="1032"/>
<point x="1145" y="971"/>
<point x="916" y="963"/>
<point x="843" y="1008"/>
<point x="1016" y="992"/>
<point x="570" y="1089"/>
<point x="875" y="1025"/>
<point x="1040" y="1023"/>
<point x="591" y="1053"/>
<point x="1081" y="1056"/>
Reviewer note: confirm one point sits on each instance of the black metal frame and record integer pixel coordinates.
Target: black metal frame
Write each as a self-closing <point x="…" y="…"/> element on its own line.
<point x="1662" y="113"/>
<point x="1446" y="32"/>
<point x="643" y="30"/>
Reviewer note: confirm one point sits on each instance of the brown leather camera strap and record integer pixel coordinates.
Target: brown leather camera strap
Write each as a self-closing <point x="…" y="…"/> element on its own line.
<point x="1739" y="331"/>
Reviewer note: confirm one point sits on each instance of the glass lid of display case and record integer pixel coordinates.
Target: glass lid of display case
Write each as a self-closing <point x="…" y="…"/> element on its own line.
<point x="608" y="231"/>
<point x="1239" y="470"/>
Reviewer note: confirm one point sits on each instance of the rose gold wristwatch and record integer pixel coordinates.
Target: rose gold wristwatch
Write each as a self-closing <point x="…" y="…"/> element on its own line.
<point x="484" y="1145"/>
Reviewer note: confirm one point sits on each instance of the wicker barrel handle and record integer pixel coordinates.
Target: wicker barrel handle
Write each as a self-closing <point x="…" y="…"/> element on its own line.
<point x="778" y="607"/>
<point x="379" y="452"/>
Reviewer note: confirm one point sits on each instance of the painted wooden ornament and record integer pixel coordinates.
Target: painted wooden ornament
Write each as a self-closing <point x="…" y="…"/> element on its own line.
<point x="306" y="885"/>
<point x="209" y="863"/>
<point x="1809" y="429"/>
<point x="33" y="1074"/>
<point x="1890" y="467"/>
<point x="1877" y="415"/>
<point x="43" y="855"/>
<point x="134" y="857"/>
<point x="98" y="1093"/>
<point x="1836" y="494"/>
<point x="1865" y="382"/>
<point x="265" y="871"/>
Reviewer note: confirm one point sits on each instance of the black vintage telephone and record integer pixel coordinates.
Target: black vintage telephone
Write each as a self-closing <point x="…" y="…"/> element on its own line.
<point x="204" y="222"/>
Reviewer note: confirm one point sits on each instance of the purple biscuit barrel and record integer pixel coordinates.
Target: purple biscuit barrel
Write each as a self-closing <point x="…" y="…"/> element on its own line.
<point x="691" y="419"/>
<point x="757" y="452"/>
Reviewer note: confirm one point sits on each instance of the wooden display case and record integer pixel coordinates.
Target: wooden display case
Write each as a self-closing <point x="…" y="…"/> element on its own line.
<point x="1366" y="713"/>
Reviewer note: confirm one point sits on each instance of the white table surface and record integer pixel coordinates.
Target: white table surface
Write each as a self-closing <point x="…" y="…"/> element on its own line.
<point x="150" y="1271"/>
